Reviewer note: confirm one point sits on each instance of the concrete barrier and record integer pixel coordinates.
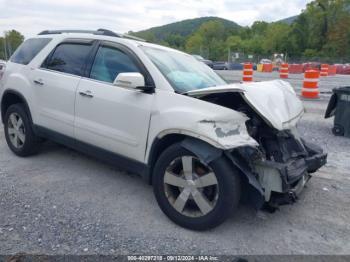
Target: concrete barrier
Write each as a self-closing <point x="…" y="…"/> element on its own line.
<point x="295" y="68"/>
<point x="311" y="66"/>
<point x="343" y="69"/>
<point x="332" y="70"/>
<point x="267" y="68"/>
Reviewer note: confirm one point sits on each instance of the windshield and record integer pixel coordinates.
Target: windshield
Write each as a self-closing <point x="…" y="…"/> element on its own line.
<point x="183" y="71"/>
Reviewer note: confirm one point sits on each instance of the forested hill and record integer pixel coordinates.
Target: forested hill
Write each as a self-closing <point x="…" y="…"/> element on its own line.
<point x="289" y="20"/>
<point x="320" y="32"/>
<point x="183" y="28"/>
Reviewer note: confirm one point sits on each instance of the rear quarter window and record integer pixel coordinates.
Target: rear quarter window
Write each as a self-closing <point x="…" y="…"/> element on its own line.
<point x="28" y="50"/>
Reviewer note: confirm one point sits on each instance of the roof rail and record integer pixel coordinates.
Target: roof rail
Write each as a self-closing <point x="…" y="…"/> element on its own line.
<point x="55" y="32"/>
<point x="97" y="32"/>
<point x="106" y="32"/>
<point x="134" y="38"/>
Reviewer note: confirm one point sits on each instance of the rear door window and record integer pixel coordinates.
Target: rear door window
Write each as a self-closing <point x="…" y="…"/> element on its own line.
<point x="109" y="62"/>
<point x="69" y="58"/>
<point x="28" y="50"/>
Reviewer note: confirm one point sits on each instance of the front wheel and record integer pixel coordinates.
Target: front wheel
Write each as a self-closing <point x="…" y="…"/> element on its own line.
<point x="193" y="194"/>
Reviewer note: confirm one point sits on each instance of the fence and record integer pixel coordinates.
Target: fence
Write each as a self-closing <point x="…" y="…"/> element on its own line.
<point x="239" y="57"/>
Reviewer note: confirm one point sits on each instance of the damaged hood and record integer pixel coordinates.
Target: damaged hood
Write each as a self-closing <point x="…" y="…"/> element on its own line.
<point x="275" y="101"/>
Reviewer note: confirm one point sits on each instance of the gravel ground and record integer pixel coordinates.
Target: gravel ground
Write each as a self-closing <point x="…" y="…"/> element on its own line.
<point x="63" y="202"/>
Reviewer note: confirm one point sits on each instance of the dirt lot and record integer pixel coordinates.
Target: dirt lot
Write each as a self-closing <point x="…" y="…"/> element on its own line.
<point x="63" y="202"/>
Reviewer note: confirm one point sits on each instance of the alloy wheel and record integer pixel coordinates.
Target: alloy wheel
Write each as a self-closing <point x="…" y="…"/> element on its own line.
<point x="191" y="187"/>
<point x="16" y="130"/>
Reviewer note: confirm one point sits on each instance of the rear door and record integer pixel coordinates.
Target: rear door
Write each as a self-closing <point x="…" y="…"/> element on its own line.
<point x="112" y="117"/>
<point x="55" y="84"/>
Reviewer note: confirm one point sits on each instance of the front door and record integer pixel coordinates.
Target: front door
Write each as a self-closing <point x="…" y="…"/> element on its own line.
<point x="108" y="116"/>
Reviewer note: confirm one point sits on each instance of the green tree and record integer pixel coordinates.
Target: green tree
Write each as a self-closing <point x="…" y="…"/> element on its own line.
<point x="9" y="43"/>
<point x="176" y="41"/>
<point x="300" y="34"/>
<point x="259" y="28"/>
<point x="277" y="38"/>
<point x="310" y="53"/>
<point x="211" y="30"/>
<point x="205" y="41"/>
<point x="13" y="39"/>
<point x="234" y="43"/>
<point x="194" y="44"/>
<point x="2" y="49"/>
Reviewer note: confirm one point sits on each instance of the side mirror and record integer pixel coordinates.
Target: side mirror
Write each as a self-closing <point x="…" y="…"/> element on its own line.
<point x="130" y="80"/>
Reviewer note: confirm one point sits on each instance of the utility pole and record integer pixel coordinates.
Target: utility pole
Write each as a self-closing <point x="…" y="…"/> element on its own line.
<point x="228" y="55"/>
<point x="5" y="49"/>
<point x="9" y="49"/>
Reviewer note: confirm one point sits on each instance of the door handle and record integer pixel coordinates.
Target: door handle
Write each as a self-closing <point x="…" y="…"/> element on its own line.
<point x="86" y="93"/>
<point x="38" y="82"/>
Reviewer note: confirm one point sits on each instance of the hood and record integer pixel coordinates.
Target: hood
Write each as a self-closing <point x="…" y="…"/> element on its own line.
<point x="275" y="101"/>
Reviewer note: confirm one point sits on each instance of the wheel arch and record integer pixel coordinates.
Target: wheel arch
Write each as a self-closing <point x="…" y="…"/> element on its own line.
<point x="207" y="152"/>
<point x="11" y="97"/>
<point x="158" y="146"/>
<point x="203" y="149"/>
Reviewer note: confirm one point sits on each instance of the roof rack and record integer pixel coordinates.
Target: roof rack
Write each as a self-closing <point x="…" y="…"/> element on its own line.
<point x="134" y="38"/>
<point x="97" y="32"/>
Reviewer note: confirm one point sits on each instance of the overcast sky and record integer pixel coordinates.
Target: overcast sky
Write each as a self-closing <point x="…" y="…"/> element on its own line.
<point x="32" y="16"/>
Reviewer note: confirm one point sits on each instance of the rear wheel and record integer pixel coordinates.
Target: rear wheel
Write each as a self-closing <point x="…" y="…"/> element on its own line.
<point x="338" y="130"/>
<point x="193" y="194"/>
<point x="19" y="132"/>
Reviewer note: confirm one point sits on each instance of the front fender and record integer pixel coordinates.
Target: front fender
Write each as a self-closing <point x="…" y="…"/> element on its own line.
<point x="221" y="127"/>
<point x="221" y="133"/>
<point x="207" y="153"/>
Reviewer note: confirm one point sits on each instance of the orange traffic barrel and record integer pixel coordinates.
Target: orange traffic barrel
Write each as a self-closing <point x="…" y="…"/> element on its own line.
<point x="284" y="70"/>
<point x="324" y="69"/>
<point x="247" y="72"/>
<point x="310" y="85"/>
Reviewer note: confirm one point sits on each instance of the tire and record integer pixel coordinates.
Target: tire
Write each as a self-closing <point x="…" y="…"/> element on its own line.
<point x="21" y="147"/>
<point x="338" y="130"/>
<point x="223" y="204"/>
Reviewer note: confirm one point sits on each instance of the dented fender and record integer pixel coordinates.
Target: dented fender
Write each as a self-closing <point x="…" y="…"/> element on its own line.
<point x="229" y="133"/>
<point x="220" y="127"/>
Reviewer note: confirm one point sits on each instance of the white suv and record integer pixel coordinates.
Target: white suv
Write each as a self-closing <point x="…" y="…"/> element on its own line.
<point x="203" y="144"/>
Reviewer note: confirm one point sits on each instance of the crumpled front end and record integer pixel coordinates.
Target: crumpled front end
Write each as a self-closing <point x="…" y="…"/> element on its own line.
<point x="279" y="165"/>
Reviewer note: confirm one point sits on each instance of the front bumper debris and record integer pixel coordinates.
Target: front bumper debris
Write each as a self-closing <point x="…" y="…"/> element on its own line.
<point x="267" y="182"/>
<point x="283" y="182"/>
<point x="278" y="183"/>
